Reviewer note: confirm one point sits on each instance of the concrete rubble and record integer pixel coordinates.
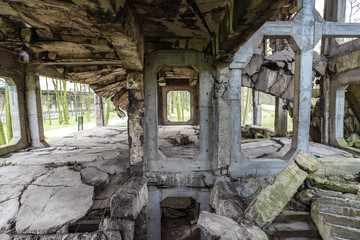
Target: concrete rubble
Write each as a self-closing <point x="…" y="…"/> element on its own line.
<point x="224" y="200"/>
<point x="271" y="201"/>
<point x="224" y="228"/>
<point x="45" y="196"/>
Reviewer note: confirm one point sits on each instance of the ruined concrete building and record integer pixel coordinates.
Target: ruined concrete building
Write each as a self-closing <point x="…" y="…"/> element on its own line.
<point x="194" y="179"/>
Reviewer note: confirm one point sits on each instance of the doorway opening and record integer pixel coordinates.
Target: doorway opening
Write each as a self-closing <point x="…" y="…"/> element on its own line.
<point x="178" y="112"/>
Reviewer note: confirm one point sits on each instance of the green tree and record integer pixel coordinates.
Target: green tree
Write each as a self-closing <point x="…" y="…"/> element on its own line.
<point x="2" y="132"/>
<point x="88" y="104"/>
<point x="9" y="130"/>
<point x="41" y="105"/>
<point x="182" y="106"/>
<point x="65" y="103"/>
<point x="76" y="104"/>
<point x="177" y="105"/>
<point x="172" y="101"/>
<point x="81" y="100"/>
<point x="48" y="100"/>
<point x="107" y="112"/>
<point x="58" y="99"/>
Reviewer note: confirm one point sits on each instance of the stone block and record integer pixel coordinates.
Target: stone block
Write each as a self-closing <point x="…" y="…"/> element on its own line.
<point x="130" y="198"/>
<point x="267" y="78"/>
<point x="254" y="65"/>
<point x="306" y="162"/>
<point x="271" y="201"/>
<point x="92" y="176"/>
<point x="127" y="228"/>
<point x="344" y="187"/>
<point x="224" y="228"/>
<point x="225" y="200"/>
<point x="111" y="229"/>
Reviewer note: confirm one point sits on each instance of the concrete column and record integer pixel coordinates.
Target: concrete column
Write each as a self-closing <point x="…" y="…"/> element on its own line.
<point x="325" y="109"/>
<point x="33" y="104"/>
<point x="234" y="95"/>
<point x="99" y="110"/>
<point x="302" y="102"/>
<point x="154" y="214"/>
<point x="136" y="120"/>
<point x="256" y="101"/>
<point x="205" y="102"/>
<point x="280" y="117"/>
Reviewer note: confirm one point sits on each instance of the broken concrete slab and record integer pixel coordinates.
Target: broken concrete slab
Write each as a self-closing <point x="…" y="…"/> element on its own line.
<point x="271" y="201"/>
<point x="4" y="237"/>
<point x="224" y="228"/>
<point x="344" y="187"/>
<point x="53" y="200"/>
<point x="306" y="162"/>
<point x="130" y="198"/>
<point x="8" y="211"/>
<point x="20" y="174"/>
<point x="225" y="200"/>
<point x="92" y="176"/>
<point x="61" y="176"/>
<point x="116" y="165"/>
<point x="127" y="228"/>
<point x="111" y="229"/>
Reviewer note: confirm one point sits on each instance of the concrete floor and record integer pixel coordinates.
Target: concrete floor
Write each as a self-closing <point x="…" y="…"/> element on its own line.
<point x="43" y="190"/>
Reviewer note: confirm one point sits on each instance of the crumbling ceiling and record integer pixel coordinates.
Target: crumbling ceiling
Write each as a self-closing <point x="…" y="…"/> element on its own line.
<point x="74" y="36"/>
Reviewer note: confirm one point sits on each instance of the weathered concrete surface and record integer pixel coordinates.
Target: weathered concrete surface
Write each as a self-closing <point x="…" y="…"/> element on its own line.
<point x="131" y="197"/>
<point x="225" y="201"/>
<point x="336" y="215"/>
<point x="171" y="179"/>
<point x="270" y="201"/>
<point x="44" y="190"/>
<point x="224" y="228"/>
<point x="52" y="201"/>
<point x="92" y="176"/>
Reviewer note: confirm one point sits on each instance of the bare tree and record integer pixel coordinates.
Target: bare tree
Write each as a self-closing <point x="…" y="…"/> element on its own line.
<point x="354" y="8"/>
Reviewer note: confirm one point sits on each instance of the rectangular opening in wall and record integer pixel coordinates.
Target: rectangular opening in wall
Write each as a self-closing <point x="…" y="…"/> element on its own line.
<point x="10" y="131"/>
<point x="178" y="106"/>
<point x="350" y="15"/>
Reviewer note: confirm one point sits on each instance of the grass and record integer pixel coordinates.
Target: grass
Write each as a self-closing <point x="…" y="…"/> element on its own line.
<point x="173" y="116"/>
<point x="268" y="119"/>
<point x="56" y="125"/>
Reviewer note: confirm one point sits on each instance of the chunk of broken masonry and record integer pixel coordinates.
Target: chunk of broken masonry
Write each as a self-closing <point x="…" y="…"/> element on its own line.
<point x="224" y="228"/>
<point x="306" y="162"/>
<point x="130" y="198"/>
<point x="225" y="200"/>
<point x="270" y="201"/>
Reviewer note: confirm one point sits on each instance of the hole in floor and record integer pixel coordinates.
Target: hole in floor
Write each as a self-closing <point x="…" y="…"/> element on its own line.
<point x="179" y="217"/>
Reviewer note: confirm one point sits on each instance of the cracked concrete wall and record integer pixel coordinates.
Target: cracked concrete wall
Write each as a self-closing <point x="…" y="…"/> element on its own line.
<point x="11" y="68"/>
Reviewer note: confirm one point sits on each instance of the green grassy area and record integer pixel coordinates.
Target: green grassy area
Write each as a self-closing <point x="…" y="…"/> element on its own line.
<point x="268" y="119"/>
<point x="173" y="116"/>
<point x="55" y="122"/>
